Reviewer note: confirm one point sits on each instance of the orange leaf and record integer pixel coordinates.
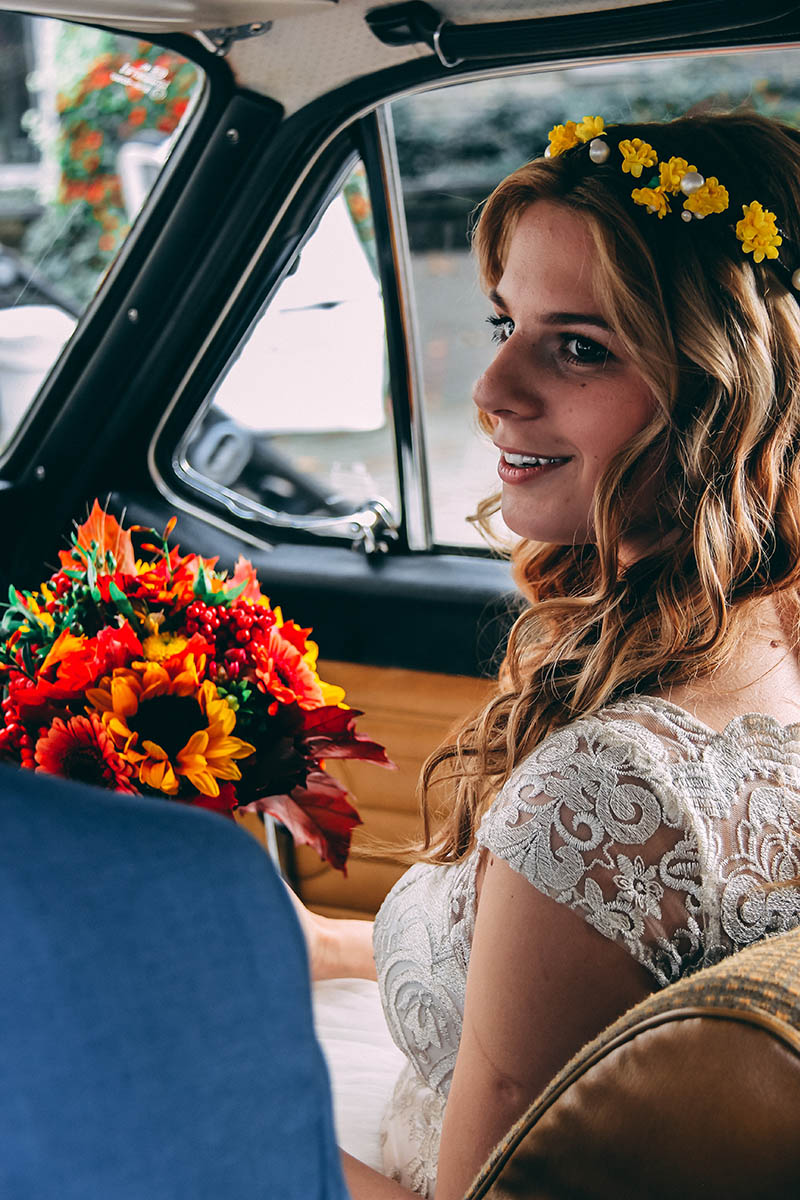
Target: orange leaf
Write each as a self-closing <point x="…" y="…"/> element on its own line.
<point x="245" y="572"/>
<point x="104" y="529"/>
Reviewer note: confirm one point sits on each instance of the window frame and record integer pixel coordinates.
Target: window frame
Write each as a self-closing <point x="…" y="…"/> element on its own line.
<point x="56" y="397"/>
<point x="369" y="126"/>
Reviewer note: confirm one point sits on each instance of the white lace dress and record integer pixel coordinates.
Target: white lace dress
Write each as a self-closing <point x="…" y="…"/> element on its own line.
<point x="662" y="833"/>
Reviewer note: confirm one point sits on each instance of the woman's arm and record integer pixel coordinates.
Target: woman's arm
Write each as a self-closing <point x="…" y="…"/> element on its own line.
<point x="541" y="983"/>
<point x="337" y="949"/>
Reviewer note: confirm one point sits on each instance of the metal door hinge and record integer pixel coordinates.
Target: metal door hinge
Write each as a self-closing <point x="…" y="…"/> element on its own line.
<point x="219" y="41"/>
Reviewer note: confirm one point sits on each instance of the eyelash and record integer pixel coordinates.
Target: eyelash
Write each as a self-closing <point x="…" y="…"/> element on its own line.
<point x="598" y="355"/>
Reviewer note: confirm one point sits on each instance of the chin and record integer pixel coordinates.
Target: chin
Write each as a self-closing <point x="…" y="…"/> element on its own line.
<point x="539" y="529"/>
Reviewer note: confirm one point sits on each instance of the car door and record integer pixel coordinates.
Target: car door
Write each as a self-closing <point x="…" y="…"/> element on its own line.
<point x="281" y="349"/>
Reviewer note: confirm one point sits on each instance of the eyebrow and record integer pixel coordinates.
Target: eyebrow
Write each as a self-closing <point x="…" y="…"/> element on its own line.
<point x="558" y="318"/>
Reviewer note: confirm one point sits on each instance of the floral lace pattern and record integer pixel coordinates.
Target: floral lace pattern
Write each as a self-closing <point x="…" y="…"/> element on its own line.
<point x="411" y="1132"/>
<point x="665" y="835"/>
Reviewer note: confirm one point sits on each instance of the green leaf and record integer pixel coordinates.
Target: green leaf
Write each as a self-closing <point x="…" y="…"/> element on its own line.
<point x="201" y="588"/>
<point x="121" y="600"/>
<point x="235" y="593"/>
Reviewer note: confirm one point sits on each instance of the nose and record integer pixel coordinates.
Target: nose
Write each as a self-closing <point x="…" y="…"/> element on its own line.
<point x="507" y="386"/>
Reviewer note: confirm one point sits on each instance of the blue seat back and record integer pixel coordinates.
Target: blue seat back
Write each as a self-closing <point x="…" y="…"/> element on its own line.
<point x="155" y="1024"/>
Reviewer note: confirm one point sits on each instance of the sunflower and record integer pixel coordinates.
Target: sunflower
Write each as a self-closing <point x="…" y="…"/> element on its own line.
<point x="169" y="726"/>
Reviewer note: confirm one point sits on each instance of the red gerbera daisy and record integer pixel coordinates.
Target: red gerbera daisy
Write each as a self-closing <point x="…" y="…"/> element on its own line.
<point x="82" y="749"/>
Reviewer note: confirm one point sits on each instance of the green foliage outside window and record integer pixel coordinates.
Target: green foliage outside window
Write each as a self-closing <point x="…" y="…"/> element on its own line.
<point x="111" y="90"/>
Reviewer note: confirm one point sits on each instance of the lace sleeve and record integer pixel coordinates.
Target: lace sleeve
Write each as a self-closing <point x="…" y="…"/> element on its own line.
<point x="591" y="819"/>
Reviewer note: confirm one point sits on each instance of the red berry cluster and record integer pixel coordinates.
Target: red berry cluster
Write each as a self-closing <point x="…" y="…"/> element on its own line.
<point x="232" y="631"/>
<point x="14" y="737"/>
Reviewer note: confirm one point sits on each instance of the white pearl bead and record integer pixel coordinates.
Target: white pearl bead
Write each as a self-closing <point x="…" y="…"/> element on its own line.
<point x="599" y="150"/>
<point x="547" y="152"/>
<point x="686" y="215"/>
<point x="796" y="280"/>
<point x="699" y="216"/>
<point x="691" y="182"/>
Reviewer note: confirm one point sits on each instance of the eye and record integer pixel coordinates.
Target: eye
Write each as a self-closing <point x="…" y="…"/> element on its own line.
<point x="502" y="329"/>
<point x="584" y="351"/>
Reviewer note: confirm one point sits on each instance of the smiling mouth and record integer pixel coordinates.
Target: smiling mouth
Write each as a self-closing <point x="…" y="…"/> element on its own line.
<point x="520" y="468"/>
<point x="530" y="460"/>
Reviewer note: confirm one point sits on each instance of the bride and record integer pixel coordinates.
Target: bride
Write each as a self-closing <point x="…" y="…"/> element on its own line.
<point x="620" y="812"/>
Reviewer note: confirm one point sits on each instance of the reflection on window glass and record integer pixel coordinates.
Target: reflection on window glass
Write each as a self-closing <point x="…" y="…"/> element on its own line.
<point x="87" y="120"/>
<point x="300" y="424"/>
<point x="454" y="144"/>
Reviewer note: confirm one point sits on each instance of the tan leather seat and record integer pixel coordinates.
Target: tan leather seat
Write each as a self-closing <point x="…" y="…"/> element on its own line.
<point x="695" y="1092"/>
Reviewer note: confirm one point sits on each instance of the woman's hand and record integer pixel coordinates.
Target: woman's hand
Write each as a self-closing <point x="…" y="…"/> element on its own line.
<point x="316" y="934"/>
<point x="337" y="949"/>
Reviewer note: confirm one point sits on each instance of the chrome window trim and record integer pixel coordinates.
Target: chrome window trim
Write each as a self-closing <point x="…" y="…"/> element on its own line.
<point x="367" y="526"/>
<point x="415" y="500"/>
<point x="181" y="502"/>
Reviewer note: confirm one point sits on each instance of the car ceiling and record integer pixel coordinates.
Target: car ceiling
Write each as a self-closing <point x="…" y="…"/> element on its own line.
<point x="306" y="47"/>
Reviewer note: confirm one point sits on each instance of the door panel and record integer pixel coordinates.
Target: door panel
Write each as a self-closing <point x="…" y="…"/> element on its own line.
<point x="410" y="713"/>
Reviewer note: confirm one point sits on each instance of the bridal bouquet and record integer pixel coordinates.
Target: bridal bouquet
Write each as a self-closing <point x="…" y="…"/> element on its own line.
<point x="161" y="675"/>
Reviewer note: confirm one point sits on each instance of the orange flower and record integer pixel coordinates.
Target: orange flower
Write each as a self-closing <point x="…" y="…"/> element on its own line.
<point x="81" y="748"/>
<point x="168" y="725"/>
<point x="281" y="670"/>
<point x="137" y="115"/>
<point x="95" y="193"/>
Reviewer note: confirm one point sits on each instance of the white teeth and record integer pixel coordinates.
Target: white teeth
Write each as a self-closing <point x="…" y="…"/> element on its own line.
<point x="522" y="460"/>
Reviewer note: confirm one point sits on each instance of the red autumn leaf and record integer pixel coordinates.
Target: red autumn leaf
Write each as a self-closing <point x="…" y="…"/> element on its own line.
<point x="224" y="803"/>
<point x="318" y="815"/>
<point x="329" y="732"/>
<point x="116" y="646"/>
<point x="105" y="530"/>
<point x="295" y="635"/>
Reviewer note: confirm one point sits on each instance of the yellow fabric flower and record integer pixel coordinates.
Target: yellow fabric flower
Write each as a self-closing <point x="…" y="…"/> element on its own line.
<point x="636" y="155"/>
<point x="169" y="726"/>
<point x="562" y="137"/>
<point x="590" y="127"/>
<point x="653" y="199"/>
<point x="758" y="232"/>
<point x="712" y="197"/>
<point x="671" y="172"/>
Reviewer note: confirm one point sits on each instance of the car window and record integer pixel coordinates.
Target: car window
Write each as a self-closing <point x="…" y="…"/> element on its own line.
<point x="298" y="430"/>
<point x="453" y="145"/>
<point x="88" y="118"/>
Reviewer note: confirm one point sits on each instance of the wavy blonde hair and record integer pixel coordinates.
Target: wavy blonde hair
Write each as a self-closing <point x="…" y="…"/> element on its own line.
<point x="717" y="338"/>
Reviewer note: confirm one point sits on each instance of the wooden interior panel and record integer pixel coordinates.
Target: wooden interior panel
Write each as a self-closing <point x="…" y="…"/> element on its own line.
<point x="410" y="713"/>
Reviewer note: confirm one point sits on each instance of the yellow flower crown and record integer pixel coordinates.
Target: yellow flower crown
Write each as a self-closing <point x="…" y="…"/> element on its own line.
<point x="757" y="230"/>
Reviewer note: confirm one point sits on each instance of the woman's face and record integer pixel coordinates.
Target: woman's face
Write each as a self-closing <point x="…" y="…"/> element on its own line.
<point x="561" y="394"/>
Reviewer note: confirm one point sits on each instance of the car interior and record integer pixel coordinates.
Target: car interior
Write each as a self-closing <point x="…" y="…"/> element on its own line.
<point x="236" y="286"/>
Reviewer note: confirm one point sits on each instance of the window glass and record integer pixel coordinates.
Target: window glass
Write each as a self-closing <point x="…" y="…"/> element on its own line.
<point x="453" y="145"/>
<point x="300" y="425"/>
<point x="87" y="120"/>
